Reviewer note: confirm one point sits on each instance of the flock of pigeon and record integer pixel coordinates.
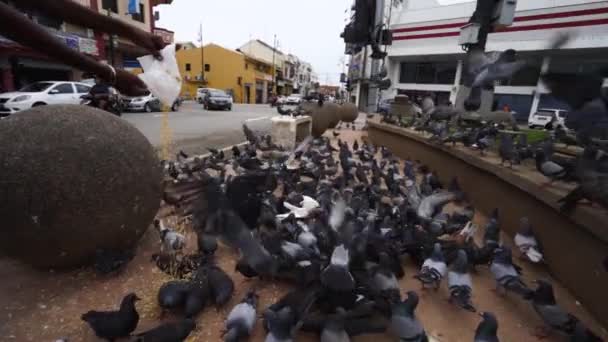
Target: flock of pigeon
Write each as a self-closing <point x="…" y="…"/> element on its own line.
<point x="588" y="118"/>
<point x="338" y="223"/>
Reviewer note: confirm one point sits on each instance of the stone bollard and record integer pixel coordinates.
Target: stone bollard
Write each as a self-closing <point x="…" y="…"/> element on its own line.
<point x="73" y="179"/>
<point x="288" y="131"/>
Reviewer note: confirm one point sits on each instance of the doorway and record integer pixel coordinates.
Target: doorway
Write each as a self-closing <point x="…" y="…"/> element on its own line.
<point x="247" y="96"/>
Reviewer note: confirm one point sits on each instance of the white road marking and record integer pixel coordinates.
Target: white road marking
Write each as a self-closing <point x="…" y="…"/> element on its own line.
<point x="258" y="119"/>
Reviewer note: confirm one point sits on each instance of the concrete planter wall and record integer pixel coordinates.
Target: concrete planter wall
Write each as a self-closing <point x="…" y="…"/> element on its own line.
<point x="575" y="246"/>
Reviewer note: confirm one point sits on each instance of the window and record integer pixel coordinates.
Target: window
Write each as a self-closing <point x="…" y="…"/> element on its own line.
<point x="49" y="21"/>
<point x="111" y="5"/>
<point x="407" y="73"/>
<point x="207" y="67"/>
<point x="141" y="16"/>
<point x="64" y="88"/>
<point x="82" y="89"/>
<point x="429" y="72"/>
<point x="246" y="66"/>
<point x="188" y="67"/>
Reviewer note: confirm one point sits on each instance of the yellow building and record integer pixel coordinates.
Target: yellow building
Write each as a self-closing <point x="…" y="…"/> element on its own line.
<point x="245" y="78"/>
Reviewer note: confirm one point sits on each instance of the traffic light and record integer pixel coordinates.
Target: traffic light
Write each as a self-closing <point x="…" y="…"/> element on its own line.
<point x="360" y="30"/>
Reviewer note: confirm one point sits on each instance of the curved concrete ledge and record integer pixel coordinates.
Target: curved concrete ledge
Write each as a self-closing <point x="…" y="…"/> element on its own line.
<point x="575" y="246"/>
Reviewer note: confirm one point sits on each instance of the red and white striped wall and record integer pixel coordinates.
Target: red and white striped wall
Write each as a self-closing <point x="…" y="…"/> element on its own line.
<point x="530" y="31"/>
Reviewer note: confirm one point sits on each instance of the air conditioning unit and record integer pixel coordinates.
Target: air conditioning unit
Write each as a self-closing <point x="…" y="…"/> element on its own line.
<point x="504" y="13"/>
<point x="469" y="34"/>
<point x="200" y="78"/>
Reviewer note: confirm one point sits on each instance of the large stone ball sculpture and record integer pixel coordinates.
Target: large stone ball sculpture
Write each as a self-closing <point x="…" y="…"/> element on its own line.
<point x="332" y="111"/>
<point x="73" y="179"/>
<point x="349" y="112"/>
<point x="320" y="122"/>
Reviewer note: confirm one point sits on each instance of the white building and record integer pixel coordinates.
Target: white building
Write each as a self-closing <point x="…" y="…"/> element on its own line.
<point x="425" y="57"/>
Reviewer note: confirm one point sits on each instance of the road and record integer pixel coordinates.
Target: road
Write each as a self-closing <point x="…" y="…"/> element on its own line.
<point x="193" y="129"/>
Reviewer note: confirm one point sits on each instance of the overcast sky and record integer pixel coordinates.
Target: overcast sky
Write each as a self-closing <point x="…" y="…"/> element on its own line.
<point x="309" y="29"/>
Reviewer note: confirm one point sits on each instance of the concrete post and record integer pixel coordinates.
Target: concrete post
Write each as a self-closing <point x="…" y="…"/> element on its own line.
<point x="539" y="86"/>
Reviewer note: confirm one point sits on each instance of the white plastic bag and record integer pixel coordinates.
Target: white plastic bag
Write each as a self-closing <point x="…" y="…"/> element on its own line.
<point x="162" y="77"/>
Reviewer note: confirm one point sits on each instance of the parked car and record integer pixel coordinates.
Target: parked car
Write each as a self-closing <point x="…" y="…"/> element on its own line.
<point x="293" y="99"/>
<point x="218" y="99"/>
<point x="147" y="103"/>
<point x="201" y="94"/>
<point x="543" y="116"/>
<point x="42" y="93"/>
<point x="384" y="107"/>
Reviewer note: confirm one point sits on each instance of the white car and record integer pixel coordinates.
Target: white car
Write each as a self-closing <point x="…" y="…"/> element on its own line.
<point x="294" y="99"/>
<point x="147" y="103"/>
<point x="543" y="116"/>
<point x="42" y="93"/>
<point x="201" y="94"/>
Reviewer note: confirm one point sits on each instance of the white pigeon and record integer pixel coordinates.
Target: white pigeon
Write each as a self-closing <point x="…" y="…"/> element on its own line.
<point x="527" y="243"/>
<point x="171" y="241"/>
<point x="306" y="206"/>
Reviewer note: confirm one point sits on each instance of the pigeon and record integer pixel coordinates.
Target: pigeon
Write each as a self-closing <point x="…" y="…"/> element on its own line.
<point x="241" y="319"/>
<point x="199" y="294"/>
<point x="221" y="285"/>
<point x="492" y="232"/>
<point x="459" y="282"/>
<point x="487" y="328"/>
<point x="487" y="71"/>
<point x="168" y="332"/>
<point x="334" y="328"/>
<point x="172" y="295"/>
<point x="111" y="325"/>
<point x="171" y="240"/>
<point x="307" y="205"/>
<point x="592" y="170"/>
<point x="549" y="169"/>
<point x="336" y="275"/>
<point x="543" y="302"/>
<point x="284" y="318"/>
<point x="505" y="273"/>
<point x="236" y="153"/>
<point x="507" y="150"/>
<point x="433" y="269"/>
<point x="527" y="243"/>
<point x="404" y="324"/>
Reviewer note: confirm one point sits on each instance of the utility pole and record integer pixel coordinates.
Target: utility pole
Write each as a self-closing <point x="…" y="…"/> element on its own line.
<point x="274" y="66"/>
<point x="200" y="38"/>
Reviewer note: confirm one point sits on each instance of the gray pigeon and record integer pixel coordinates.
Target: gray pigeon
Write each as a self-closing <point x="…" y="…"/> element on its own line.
<point x="505" y="273"/>
<point x="543" y="302"/>
<point x="336" y="275"/>
<point x="489" y="70"/>
<point x="241" y="319"/>
<point x="507" y="150"/>
<point x="527" y="243"/>
<point x="487" y="328"/>
<point x="549" y="169"/>
<point x="433" y="269"/>
<point x="333" y="330"/>
<point x="459" y="282"/>
<point x="404" y="324"/>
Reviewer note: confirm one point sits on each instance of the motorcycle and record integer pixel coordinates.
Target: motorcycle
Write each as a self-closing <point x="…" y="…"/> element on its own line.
<point x="114" y="104"/>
